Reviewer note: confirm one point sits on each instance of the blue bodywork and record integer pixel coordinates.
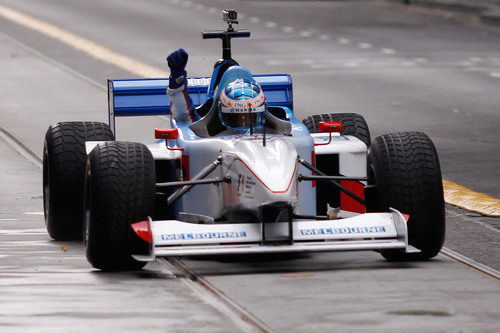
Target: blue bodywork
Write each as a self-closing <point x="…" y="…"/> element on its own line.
<point x="148" y="97"/>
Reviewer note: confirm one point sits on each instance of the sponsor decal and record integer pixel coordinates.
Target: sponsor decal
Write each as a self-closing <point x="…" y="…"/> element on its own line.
<point x="205" y="235"/>
<point x="199" y="81"/>
<point x="339" y="231"/>
<point x="327" y="138"/>
<point x="255" y="104"/>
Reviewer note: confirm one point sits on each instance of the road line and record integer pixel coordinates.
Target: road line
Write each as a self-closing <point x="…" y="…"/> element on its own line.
<point x="225" y="305"/>
<point x="471" y="263"/>
<point x="82" y="44"/>
<point x="452" y="196"/>
<point x="20" y="147"/>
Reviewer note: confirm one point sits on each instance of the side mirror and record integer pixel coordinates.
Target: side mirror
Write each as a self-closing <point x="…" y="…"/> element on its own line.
<point x="166" y="133"/>
<point x="329" y="126"/>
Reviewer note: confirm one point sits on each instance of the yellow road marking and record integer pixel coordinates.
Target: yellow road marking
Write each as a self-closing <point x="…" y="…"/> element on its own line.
<point x="82" y="44"/>
<point x="454" y="194"/>
<point x="460" y="196"/>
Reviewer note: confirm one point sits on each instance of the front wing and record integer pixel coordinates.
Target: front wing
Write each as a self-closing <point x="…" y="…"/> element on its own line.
<point x="370" y="231"/>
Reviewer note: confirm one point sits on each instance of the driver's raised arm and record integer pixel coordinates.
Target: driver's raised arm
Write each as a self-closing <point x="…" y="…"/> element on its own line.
<point x="181" y="106"/>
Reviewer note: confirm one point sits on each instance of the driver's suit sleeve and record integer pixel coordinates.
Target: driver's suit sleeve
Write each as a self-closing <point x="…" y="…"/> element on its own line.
<point x="181" y="106"/>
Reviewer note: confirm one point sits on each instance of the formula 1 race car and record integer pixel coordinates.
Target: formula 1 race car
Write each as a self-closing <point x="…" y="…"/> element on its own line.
<point x="200" y="189"/>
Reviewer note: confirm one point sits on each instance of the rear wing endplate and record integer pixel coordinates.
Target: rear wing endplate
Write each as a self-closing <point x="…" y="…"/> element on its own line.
<point x="148" y="97"/>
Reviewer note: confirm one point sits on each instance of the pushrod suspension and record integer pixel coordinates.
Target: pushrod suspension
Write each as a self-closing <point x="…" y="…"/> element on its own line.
<point x="202" y="174"/>
<point x="331" y="181"/>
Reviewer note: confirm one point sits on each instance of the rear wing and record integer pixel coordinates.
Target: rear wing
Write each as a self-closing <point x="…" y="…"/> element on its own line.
<point x="148" y="97"/>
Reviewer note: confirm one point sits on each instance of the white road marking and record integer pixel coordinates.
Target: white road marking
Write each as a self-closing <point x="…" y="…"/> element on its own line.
<point x="317" y="66"/>
<point x="288" y="30"/>
<point x="23" y="231"/>
<point x="344" y="41"/>
<point x="496" y="75"/>
<point x="271" y="25"/>
<point x="2" y="220"/>
<point x="254" y="19"/>
<point x="466" y="63"/>
<point x="275" y="62"/>
<point x="33" y="213"/>
<point x="408" y="63"/>
<point x="476" y="59"/>
<point x="420" y="60"/>
<point x="388" y="51"/>
<point x="305" y="33"/>
<point x="365" y="45"/>
<point x="324" y="37"/>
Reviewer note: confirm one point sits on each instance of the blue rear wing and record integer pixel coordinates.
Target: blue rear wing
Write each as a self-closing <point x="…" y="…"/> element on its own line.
<point x="148" y="97"/>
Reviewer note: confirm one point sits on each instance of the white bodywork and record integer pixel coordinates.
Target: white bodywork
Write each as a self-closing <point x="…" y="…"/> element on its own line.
<point x="371" y="231"/>
<point x="259" y="175"/>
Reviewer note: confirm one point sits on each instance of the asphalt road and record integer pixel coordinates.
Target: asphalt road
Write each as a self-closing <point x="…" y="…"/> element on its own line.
<point x="403" y="69"/>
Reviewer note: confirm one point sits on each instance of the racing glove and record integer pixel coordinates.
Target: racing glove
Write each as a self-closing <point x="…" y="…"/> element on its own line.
<point x="177" y="61"/>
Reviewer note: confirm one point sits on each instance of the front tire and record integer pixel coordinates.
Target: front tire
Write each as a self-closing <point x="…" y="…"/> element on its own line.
<point x="404" y="167"/>
<point x="64" y="160"/>
<point x="119" y="191"/>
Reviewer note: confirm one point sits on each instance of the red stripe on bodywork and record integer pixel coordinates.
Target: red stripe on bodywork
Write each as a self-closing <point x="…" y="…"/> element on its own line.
<point x="313" y="162"/>
<point x="349" y="204"/>
<point x="185" y="166"/>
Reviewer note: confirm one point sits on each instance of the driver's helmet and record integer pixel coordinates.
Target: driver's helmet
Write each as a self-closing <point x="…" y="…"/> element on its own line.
<point x="242" y="104"/>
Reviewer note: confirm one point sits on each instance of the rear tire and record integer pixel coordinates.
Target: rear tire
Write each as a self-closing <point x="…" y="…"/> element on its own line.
<point x="119" y="190"/>
<point x="352" y="124"/>
<point x="64" y="160"/>
<point x="404" y="167"/>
